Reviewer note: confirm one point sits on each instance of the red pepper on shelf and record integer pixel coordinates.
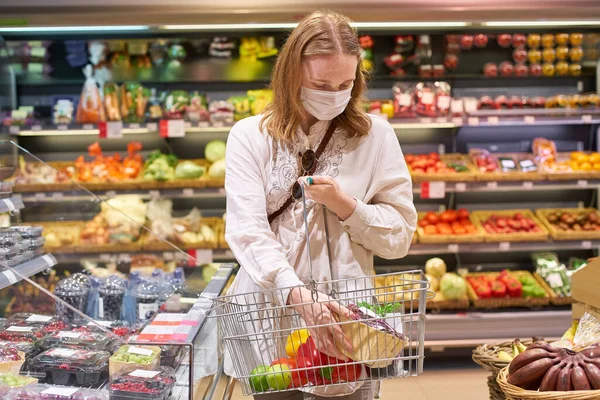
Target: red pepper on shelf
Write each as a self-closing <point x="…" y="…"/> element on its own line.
<point x="498" y="289"/>
<point x="515" y="289"/>
<point x="483" y="291"/>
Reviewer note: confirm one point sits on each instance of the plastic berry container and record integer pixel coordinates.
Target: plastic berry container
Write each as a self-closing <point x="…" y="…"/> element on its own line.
<point x="80" y="338"/>
<point x="143" y="384"/>
<point x="8" y="253"/>
<point x="47" y="392"/>
<point x="119" y="328"/>
<point x="71" y="366"/>
<point x="31" y="319"/>
<point x="16" y="333"/>
<point x="35" y="243"/>
<point x="9" y="238"/>
<point x="75" y="293"/>
<point x="28" y="232"/>
<point x="111" y="291"/>
<point x="146" y="294"/>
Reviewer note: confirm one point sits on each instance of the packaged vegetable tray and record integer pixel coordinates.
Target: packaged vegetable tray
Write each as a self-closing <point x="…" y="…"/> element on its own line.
<point x="128" y="356"/>
<point x="16" y="333"/>
<point x="71" y="366"/>
<point x="81" y="338"/>
<point x="143" y="384"/>
<point x="47" y="392"/>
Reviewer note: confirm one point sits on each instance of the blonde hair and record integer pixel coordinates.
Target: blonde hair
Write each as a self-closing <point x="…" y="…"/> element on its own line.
<point x="320" y="33"/>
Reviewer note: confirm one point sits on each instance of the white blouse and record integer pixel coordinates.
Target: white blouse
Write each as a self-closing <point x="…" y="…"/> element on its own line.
<point x="259" y="177"/>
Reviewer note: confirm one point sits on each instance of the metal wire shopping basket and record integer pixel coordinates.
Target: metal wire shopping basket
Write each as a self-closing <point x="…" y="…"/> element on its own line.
<point x="273" y="349"/>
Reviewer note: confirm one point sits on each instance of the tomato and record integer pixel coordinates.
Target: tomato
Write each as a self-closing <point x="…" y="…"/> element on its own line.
<point x="448" y="216"/>
<point x="471" y="229"/>
<point x="445" y="230"/>
<point x="459" y="230"/>
<point x="430" y="170"/>
<point x="430" y="230"/>
<point x="440" y="165"/>
<point x="419" y="170"/>
<point x="462" y="213"/>
<point x="423" y="223"/>
<point x="434" y="156"/>
<point x="409" y="158"/>
<point x="432" y="218"/>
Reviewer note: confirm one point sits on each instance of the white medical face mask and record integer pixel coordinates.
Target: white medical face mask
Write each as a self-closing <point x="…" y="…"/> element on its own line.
<point x="324" y="105"/>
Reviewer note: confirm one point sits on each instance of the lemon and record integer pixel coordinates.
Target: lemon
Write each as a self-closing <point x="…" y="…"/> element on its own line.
<point x="295" y="340"/>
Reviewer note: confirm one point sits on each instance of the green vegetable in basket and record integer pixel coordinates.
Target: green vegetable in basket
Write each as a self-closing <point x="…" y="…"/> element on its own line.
<point x="160" y="167"/>
<point x="458" y="167"/>
<point x="453" y="287"/>
<point x="189" y="170"/>
<point x="215" y="150"/>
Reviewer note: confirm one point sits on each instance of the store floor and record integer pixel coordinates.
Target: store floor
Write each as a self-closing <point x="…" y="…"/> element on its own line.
<point x="434" y="384"/>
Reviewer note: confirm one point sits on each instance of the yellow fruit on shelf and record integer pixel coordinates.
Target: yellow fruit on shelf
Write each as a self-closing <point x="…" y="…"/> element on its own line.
<point x="295" y="340"/>
<point x="579" y="157"/>
<point x="574" y="165"/>
<point x="595" y="158"/>
<point x="586" y="166"/>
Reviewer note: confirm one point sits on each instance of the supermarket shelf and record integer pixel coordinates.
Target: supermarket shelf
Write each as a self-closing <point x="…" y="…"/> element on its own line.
<point x="27" y="269"/>
<point x="212" y="193"/>
<point x="468" y="329"/>
<point x="502" y="247"/>
<point x="216" y="255"/>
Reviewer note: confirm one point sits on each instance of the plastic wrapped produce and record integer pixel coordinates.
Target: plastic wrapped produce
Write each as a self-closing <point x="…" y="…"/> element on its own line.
<point x="134" y="99"/>
<point x="71" y="366"/>
<point x="142" y="384"/>
<point x="147" y="299"/>
<point x="111" y="102"/>
<point x="75" y="294"/>
<point x="90" y="109"/>
<point x="111" y="292"/>
<point x="78" y="337"/>
<point x="21" y="334"/>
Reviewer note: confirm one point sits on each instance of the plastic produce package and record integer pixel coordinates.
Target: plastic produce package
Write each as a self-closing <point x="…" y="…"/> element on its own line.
<point x="143" y="384"/>
<point x="79" y="338"/>
<point x="70" y="366"/>
<point x="588" y="332"/>
<point x="554" y="273"/>
<point x="134" y="99"/>
<point x="90" y="109"/>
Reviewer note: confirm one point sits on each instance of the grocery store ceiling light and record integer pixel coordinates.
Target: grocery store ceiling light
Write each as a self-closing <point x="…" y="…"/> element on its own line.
<point x="291" y="25"/>
<point x="70" y="29"/>
<point x="548" y="23"/>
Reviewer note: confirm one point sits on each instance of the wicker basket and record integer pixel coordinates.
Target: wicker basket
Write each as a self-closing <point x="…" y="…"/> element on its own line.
<point x="507" y="302"/>
<point x="480" y="216"/>
<point x="441" y="239"/>
<point x="554" y="298"/>
<point x="439" y="305"/>
<point x="517" y="176"/>
<point x="569" y="175"/>
<point x="513" y="392"/>
<point x="468" y="176"/>
<point x="486" y="356"/>
<point x="45" y="187"/>
<point x="559" y="234"/>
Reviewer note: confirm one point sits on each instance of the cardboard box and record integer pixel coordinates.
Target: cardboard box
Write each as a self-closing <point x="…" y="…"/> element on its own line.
<point x="585" y="284"/>
<point x="579" y="309"/>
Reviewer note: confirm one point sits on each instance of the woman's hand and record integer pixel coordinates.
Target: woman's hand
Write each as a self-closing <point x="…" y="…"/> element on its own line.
<point x="325" y="190"/>
<point x="318" y="316"/>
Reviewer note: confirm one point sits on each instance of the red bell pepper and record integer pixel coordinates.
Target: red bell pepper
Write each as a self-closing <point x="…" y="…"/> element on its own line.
<point x="498" y="289"/>
<point x="308" y="356"/>
<point x="515" y="288"/>
<point x="347" y="373"/>
<point x="483" y="292"/>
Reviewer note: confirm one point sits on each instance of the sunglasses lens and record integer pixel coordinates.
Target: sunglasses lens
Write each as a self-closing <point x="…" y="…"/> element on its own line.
<point x="308" y="160"/>
<point x="296" y="191"/>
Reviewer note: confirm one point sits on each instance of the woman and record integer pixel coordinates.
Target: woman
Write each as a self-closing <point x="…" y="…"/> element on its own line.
<point x="316" y="133"/>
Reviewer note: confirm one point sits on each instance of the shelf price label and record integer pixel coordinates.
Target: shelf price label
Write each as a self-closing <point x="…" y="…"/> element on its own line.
<point x="433" y="190"/>
<point x="199" y="257"/>
<point x="172" y="128"/>
<point x="527" y="185"/>
<point x="586" y="118"/>
<point x="13" y="130"/>
<point x="493" y="120"/>
<point x="473" y="121"/>
<point x="582" y="183"/>
<point x="88" y="127"/>
<point x="36" y="128"/>
<point x="134" y="125"/>
<point x="504" y="246"/>
<point x="492" y="185"/>
<point x="453" y="248"/>
<point x="586" y="244"/>
<point x="460" y="187"/>
<point x="458" y="121"/>
<point x="529" y="119"/>
<point x="110" y="130"/>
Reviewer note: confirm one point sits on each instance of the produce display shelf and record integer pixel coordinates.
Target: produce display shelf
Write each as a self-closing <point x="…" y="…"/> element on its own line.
<point x="27" y="269"/>
<point x="208" y="255"/>
<point x="203" y="193"/>
<point x="426" y="249"/>
<point x="478" y="118"/>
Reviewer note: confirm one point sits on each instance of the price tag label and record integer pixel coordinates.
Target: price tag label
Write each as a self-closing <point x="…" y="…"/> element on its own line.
<point x="453" y="248"/>
<point x="172" y="128"/>
<point x="38" y="318"/>
<point x="460" y="187"/>
<point x="504" y="246"/>
<point x="441" y="120"/>
<point x="529" y="119"/>
<point x="144" y="374"/>
<point x="152" y="126"/>
<point x="221" y="191"/>
<point x="110" y="194"/>
<point x="139" y="350"/>
<point x="582" y="183"/>
<point x="154" y="194"/>
<point x="168" y="256"/>
<point x="433" y="190"/>
<point x="527" y="185"/>
<point x="62" y="127"/>
<point x="586" y="244"/>
<point x="188" y="192"/>
<point x="493" y="120"/>
<point x="586" y="118"/>
<point x="58" y="195"/>
<point x="69" y="335"/>
<point x="88" y="127"/>
<point x="134" y="126"/>
<point x="13" y="130"/>
<point x="110" y="130"/>
<point x="40" y="196"/>
<point x="473" y="121"/>
<point x="199" y="257"/>
<point x="203" y="124"/>
<point x="36" y="128"/>
<point x="49" y="260"/>
<point x="62" y="391"/>
<point x="19" y="328"/>
<point x="101" y="323"/>
<point x="106" y="257"/>
<point x="458" y="121"/>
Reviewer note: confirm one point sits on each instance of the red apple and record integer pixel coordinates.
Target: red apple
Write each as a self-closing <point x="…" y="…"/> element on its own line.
<point x="521" y="70"/>
<point x="507" y="68"/>
<point x="490" y="70"/>
<point x="504" y="40"/>
<point x="519" y="55"/>
<point x="466" y="42"/>
<point x="519" y="40"/>
<point x="481" y="40"/>
<point x="535" y="69"/>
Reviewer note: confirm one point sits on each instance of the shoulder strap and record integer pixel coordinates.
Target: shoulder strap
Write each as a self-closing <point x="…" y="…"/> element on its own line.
<point x="318" y="153"/>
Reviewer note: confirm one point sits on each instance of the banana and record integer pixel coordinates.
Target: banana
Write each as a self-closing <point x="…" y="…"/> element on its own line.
<point x="526" y="358"/>
<point x="564" y="378"/>
<point x="550" y="379"/>
<point x="593" y="375"/>
<point x="504" y="356"/>
<point x="579" y="378"/>
<point x="520" y="346"/>
<point x="530" y="376"/>
<point x="570" y="333"/>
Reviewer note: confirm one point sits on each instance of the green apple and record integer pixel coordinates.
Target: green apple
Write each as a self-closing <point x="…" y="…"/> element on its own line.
<point x="279" y="377"/>
<point x="258" y="379"/>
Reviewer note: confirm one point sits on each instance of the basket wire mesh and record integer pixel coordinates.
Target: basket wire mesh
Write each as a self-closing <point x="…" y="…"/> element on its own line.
<point x="379" y="334"/>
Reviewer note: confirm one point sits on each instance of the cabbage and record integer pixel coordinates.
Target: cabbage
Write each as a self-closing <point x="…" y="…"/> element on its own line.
<point x="217" y="170"/>
<point x="435" y="267"/>
<point x="453" y="287"/>
<point x="189" y="170"/>
<point x="215" y="150"/>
